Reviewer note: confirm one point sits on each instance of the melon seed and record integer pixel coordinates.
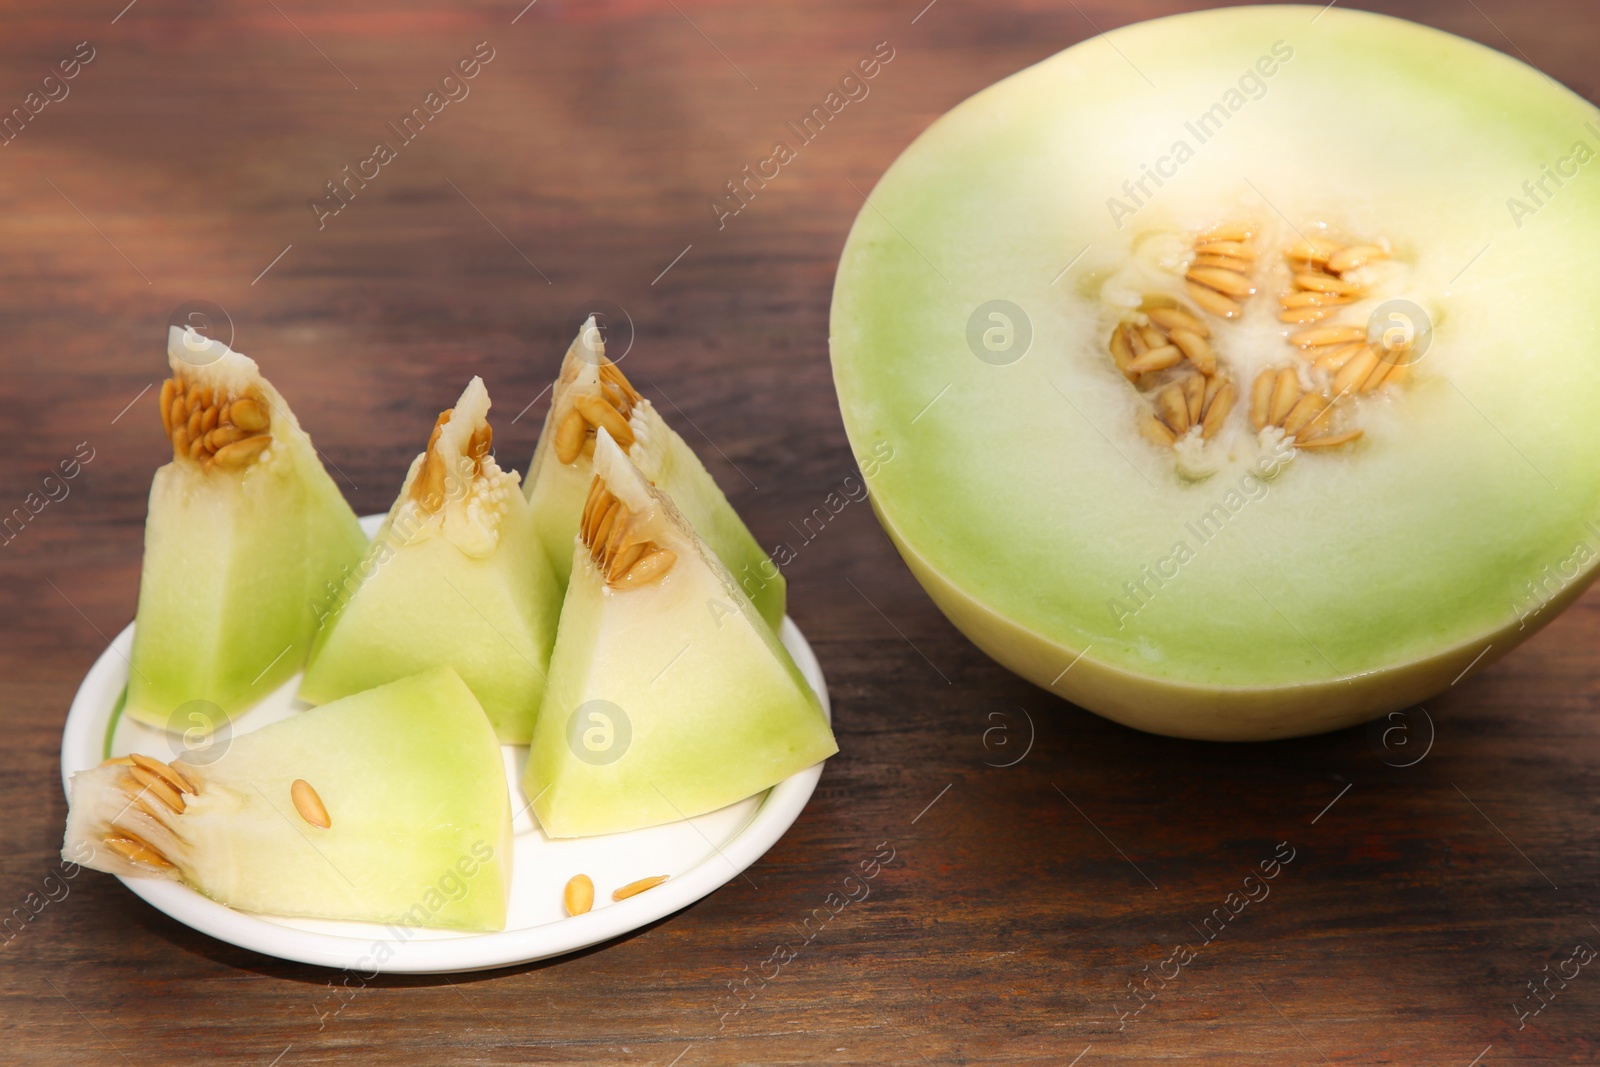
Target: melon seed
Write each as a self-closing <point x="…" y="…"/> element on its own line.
<point x="654" y="565"/>
<point x="132" y="847"/>
<point x="158" y="787"/>
<point x="247" y="414"/>
<point x="1213" y="301"/>
<point x="239" y="453"/>
<point x="170" y="773"/>
<point x="633" y="889"/>
<point x="1354" y="256"/>
<point x="308" y="804"/>
<point x="579" y="894"/>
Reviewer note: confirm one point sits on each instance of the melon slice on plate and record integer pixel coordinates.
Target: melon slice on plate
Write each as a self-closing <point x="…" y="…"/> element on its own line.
<point x="388" y="806"/>
<point x="669" y="694"/>
<point x="455" y="576"/>
<point x="1231" y="403"/>
<point x="244" y="532"/>
<point x="590" y="392"/>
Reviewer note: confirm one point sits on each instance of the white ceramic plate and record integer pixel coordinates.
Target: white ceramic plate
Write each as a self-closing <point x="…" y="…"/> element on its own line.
<point x="699" y="854"/>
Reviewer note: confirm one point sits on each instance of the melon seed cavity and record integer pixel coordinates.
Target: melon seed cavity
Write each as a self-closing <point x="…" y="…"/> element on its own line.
<point x="607" y="529"/>
<point x="212" y="428"/>
<point x="1166" y="350"/>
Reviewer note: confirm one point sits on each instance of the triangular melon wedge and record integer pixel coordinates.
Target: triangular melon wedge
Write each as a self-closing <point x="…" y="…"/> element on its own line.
<point x="669" y="695"/>
<point x="388" y="806"/>
<point x="590" y="392"/>
<point x="456" y="576"/>
<point x="245" y="529"/>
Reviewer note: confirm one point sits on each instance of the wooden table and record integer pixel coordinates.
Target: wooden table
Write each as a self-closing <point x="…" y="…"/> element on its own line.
<point x="1021" y="901"/>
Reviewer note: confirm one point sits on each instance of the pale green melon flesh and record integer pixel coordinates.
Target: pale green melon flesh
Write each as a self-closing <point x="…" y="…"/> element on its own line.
<point x="420" y="600"/>
<point x="410" y="774"/>
<point x="717" y="709"/>
<point x="235" y="565"/>
<point x="557" y="491"/>
<point x="1353" y="581"/>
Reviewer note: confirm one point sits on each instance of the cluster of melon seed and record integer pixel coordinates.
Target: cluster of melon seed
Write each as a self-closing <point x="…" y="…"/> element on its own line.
<point x="1343" y="361"/>
<point x="610" y="408"/>
<point x="1219" y="276"/>
<point x="1196" y="395"/>
<point x="606" y="531"/>
<point x="210" y="427"/>
<point x="429" y="489"/>
<point x="148" y="782"/>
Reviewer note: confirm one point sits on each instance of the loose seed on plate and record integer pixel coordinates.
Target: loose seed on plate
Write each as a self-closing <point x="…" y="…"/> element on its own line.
<point x="633" y="889"/>
<point x="579" y="894"/>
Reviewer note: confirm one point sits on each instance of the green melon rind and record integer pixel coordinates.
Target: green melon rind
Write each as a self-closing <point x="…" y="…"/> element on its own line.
<point x="428" y="604"/>
<point x="966" y="198"/>
<point x="233" y="572"/>
<point x="411" y="776"/>
<point x="717" y="708"/>
<point x="558" y="490"/>
<point x="465" y="584"/>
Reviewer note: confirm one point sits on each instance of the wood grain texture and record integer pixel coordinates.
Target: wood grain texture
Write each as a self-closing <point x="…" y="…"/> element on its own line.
<point x="1018" y="906"/>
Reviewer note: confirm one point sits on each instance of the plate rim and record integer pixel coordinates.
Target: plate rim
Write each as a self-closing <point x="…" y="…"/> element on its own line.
<point x="85" y="733"/>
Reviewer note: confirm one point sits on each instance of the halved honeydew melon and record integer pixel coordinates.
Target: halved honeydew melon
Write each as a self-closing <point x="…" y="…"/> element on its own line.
<point x="591" y="391"/>
<point x="245" y="527"/>
<point x="1229" y="403"/>
<point x="455" y="576"/>
<point x="387" y="806"/>
<point x="669" y="694"/>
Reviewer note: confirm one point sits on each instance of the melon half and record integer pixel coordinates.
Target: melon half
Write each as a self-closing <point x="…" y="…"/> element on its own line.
<point x="1240" y="368"/>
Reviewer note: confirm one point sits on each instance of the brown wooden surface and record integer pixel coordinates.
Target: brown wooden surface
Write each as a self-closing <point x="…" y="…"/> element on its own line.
<point x="1012" y="917"/>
